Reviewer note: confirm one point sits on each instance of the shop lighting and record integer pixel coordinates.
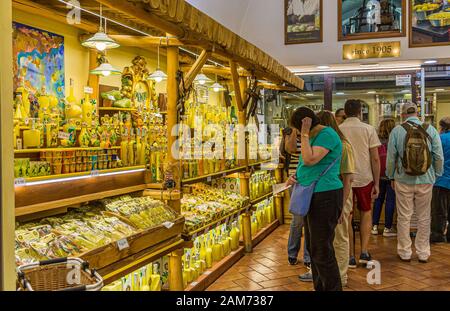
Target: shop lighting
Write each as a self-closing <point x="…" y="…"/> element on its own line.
<point x="368" y="70"/>
<point x="406" y="91"/>
<point x="309" y="94"/>
<point x="105" y="70"/>
<point x="372" y="92"/>
<point x="430" y="62"/>
<point x="440" y="90"/>
<point x="340" y="93"/>
<point x="158" y="75"/>
<point x="202" y="79"/>
<point x="100" y="40"/>
<point x="217" y="87"/>
<point x="58" y="180"/>
<point x="323" y="67"/>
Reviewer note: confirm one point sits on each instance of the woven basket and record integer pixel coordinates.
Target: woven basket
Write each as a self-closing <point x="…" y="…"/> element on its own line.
<point x="59" y="275"/>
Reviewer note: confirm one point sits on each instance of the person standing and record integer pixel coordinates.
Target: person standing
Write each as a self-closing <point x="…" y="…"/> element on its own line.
<point x="321" y="150"/>
<point x="292" y="148"/>
<point x="373" y="15"/>
<point x="415" y="158"/>
<point x="440" y="206"/>
<point x="340" y="116"/>
<point x="387" y="194"/>
<point x="364" y="139"/>
<point x="341" y="240"/>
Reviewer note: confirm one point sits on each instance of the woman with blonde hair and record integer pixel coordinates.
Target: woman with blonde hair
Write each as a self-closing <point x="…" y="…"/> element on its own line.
<point x="387" y="194"/>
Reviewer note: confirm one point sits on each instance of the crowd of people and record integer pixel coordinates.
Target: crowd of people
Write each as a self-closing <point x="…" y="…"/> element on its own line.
<point x="404" y="168"/>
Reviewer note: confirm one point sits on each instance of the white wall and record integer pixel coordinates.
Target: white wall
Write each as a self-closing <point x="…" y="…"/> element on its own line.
<point x="263" y="25"/>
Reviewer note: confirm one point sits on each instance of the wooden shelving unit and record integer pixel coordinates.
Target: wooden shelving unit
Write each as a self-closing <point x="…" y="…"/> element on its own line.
<point x="37" y="150"/>
<point x="213" y="175"/>
<point x="261" y="198"/>
<point x="116" y="109"/>
<point x="188" y="236"/>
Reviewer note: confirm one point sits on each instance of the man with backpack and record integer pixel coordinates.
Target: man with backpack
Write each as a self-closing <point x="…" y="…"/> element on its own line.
<point x="414" y="159"/>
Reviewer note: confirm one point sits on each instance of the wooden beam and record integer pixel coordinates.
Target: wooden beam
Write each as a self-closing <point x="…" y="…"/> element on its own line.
<point x="139" y="41"/>
<point x="236" y="85"/>
<point x="195" y="69"/>
<point x="142" y="16"/>
<point x="270" y="86"/>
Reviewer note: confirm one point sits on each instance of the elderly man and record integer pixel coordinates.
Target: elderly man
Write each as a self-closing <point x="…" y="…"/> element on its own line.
<point x="302" y="11"/>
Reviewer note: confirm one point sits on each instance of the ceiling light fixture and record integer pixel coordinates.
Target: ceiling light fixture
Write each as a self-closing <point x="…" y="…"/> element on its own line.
<point x="430" y="62"/>
<point x="340" y="93"/>
<point x="406" y="91"/>
<point x="217" y="87"/>
<point x="440" y="90"/>
<point x="202" y="79"/>
<point x="158" y="75"/>
<point x="372" y="92"/>
<point x="309" y="94"/>
<point x="105" y="70"/>
<point x="100" y="40"/>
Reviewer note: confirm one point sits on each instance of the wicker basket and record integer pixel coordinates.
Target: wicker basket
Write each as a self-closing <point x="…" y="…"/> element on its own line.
<point x="64" y="274"/>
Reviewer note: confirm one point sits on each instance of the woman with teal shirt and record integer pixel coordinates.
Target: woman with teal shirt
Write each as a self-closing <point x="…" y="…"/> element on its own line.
<point x="320" y="148"/>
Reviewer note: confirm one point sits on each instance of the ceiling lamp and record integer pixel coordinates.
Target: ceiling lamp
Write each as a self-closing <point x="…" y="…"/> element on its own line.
<point x="217" y="87"/>
<point x="158" y="75"/>
<point x="202" y="79"/>
<point x="106" y="70"/>
<point x="100" y="40"/>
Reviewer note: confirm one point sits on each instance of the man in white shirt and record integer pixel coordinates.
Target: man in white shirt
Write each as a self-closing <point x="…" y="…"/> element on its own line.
<point x="364" y="139"/>
<point x="373" y="15"/>
<point x="303" y="10"/>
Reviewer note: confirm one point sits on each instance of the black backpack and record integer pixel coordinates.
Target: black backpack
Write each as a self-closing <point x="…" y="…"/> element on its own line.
<point x="417" y="154"/>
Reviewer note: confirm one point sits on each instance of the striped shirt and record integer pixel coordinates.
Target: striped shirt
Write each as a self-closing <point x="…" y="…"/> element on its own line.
<point x="294" y="160"/>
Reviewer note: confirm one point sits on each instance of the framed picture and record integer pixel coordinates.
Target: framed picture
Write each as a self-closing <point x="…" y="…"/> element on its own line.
<point x="371" y="19"/>
<point x="303" y="21"/>
<point x="429" y="23"/>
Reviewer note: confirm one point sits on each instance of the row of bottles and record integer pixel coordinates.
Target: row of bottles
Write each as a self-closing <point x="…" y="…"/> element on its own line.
<point x="261" y="184"/>
<point x="262" y="216"/>
<point x="208" y="249"/>
<point x="151" y="277"/>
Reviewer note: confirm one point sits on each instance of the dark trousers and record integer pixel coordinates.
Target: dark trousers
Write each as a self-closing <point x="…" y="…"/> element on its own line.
<point x="321" y="221"/>
<point x="388" y="194"/>
<point x="440" y="214"/>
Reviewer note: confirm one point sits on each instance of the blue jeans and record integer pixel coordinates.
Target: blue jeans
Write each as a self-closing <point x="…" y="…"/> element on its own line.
<point x="295" y="239"/>
<point x="386" y="192"/>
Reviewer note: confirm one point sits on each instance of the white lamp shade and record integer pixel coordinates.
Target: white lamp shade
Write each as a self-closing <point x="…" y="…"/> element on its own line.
<point x="106" y="69"/>
<point x="217" y="87"/>
<point x="202" y="79"/>
<point x="101" y="42"/>
<point x="158" y="76"/>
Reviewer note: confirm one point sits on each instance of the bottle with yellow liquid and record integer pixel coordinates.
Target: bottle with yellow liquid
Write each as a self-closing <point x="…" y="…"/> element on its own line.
<point x="254" y="225"/>
<point x="87" y="109"/>
<point x="124" y="149"/>
<point x="234" y="235"/>
<point x="155" y="278"/>
<point x="32" y="137"/>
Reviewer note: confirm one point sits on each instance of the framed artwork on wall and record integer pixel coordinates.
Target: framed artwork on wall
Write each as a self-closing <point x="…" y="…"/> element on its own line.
<point x="429" y="23"/>
<point x="303" y="21"/>
<point x="371" y="19"/>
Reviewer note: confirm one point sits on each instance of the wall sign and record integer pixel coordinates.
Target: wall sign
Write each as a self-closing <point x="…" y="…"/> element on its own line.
<point x="403" y="80"/>
<point x="371" y="50"/>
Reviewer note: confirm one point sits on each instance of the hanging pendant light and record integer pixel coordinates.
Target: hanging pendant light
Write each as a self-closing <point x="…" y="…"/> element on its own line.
<point x="202" y="79"/>
<point x="158" y="75"/>
<point x="217" y="87"/>
<point x="105" y="69"/>
<point x="100" y="40"/>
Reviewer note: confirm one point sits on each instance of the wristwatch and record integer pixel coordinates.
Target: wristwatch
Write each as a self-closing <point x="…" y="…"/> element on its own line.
<point x="305" y="135"/>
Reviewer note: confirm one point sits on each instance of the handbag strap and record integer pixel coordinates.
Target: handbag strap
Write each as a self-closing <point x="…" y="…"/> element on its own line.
<point x="327" y="169"/>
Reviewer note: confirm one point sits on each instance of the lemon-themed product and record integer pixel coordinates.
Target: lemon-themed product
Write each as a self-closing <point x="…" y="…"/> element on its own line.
<point x="32" y="137"/>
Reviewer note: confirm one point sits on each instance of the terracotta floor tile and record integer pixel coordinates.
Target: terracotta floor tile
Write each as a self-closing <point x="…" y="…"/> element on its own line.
<point x="248" y="284"/>
<point x="268" y="263"/>
<point x="218" y="286"/>
<point x="255" y="276"/>
<point x="304" y="287"/>
<point x="274" y="289"/>
<point x="284" y="274"/>
<point x="261" y="268"/>
<point x="236" y="289"/>
<point x="230" y="276"/>
<point x="278" y="282"/>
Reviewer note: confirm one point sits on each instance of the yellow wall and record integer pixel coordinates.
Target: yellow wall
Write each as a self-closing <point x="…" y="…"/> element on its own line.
<point x="77" y="57"/>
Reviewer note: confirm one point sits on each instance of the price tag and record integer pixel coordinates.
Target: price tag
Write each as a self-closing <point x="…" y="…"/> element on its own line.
<point x="208" y="179"/>
<point x="168" y="224"/>
<point x="27" y="121"/>
<point x="88" y="90"/>
<point x="63" y="135"/>
<point x="19" y="181"/>
<point x="122" y="244"/>
<point x="110" y="97"/>
<point x="95" y="173"/>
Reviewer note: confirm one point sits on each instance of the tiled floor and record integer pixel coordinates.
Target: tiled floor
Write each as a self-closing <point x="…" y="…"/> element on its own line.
<point x="267" y="269"/>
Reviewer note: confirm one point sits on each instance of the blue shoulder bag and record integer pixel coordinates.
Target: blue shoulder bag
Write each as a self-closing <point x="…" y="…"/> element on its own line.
<point x="301" y="196"/>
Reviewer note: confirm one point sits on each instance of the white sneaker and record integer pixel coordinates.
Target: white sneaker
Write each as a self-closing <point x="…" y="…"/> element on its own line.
<point x="375" y="230"/>
<point x="388" y="233"/>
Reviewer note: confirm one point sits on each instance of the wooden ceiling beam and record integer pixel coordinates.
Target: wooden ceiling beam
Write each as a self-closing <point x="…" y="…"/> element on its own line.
<point x="195" y="69"/>
<point x="139" y="41"/>
<point x="237" y="89"/>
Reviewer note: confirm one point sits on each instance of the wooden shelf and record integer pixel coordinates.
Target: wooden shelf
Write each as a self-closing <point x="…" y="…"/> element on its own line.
<point x="212" y="176"/>
<point x="63" y="176"/>
<point x="209" y="276"/>
<point x="188" y="236"/>
<point x="133" y="262"/>
<point x="263" y="233"/>
<point x="116" y="109"/>
<point x="37" y="150"/>
<point x="262" y="198"/>
<point x="259" y="163"/>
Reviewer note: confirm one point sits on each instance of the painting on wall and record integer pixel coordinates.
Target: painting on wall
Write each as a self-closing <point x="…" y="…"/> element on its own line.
<point x="370" y="19"/>
<point x="303" y="21"/>
<point x="429" y="23"/>
<point x="38" y="60"/>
